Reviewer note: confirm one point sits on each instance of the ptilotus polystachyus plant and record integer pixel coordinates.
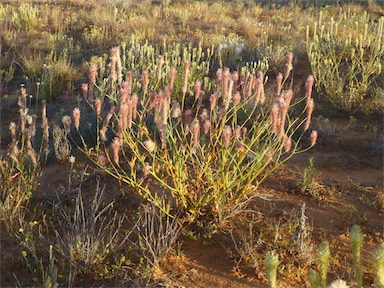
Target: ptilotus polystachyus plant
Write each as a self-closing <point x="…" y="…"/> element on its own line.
<point x="221" y="130"/>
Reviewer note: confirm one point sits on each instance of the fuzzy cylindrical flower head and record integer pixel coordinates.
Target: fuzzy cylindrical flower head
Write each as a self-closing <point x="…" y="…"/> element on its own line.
<point x="176" y="110"/>
<point x="213" y="100"/>
<point x="195" y="130"/>
<point x="206" y="126"/>
<point x="288" y="65"/>
<point x="93" y="73"/>
<point x="98" y="103"/>
<point x="188" y="116"/>
<point x="310" y="107"/>
<point x="115" y="146"/>
<point x="236" y="98"/>
<point x="172" y="76"/>
<point x="197" y="89"/>
<point x="102" y="158"/>
<point x="84" y="89"/>
<point x="308" y="86"/>
<point x="237" y="132"/>
<point x="287" y="144"/>
<point x="279" y="81"/>
<point x="76" y="117"/>
<point x="186" y="72"/>
<point x="150" y="145"/>
<point x="313" y="137"/>
<point x="288" y="94"/>
<point x="12" y="128"/>
<point x="145" y="81"/>
<point x="160" y="64"/>
<point x="227" y="135"/>
<point x="204" y="115"/>
<point x="67" y="121"/>
<point x="146" y="169"/>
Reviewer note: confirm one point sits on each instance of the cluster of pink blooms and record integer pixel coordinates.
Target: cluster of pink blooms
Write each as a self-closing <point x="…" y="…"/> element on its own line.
<point x="281" y="104"/>
<point x="230" y="88"/>
<point x="28" y="128"/>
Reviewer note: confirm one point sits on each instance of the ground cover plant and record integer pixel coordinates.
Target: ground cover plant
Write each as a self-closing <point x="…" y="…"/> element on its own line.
<point x="153" y="143"/>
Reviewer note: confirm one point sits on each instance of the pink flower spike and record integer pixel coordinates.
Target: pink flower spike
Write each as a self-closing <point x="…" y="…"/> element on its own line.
<point x="76" y="117"/>
<point x="188" y="116"/>
<point x="213" y="100"/>
<point x="146" y="169"/>
<point x="227" y="135"/>
<point x="206" y="126"/>
<point x="313" y="137"/>
<point x="115" y="145"/>
<point x="195" y="129"/>
<point x="98" y="105"/>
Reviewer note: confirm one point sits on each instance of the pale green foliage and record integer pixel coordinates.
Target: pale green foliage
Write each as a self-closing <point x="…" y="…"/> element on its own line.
<point x="271" y="262"/>
<point x="378" y="262"/>
<point x="314" y="278"/>
<point x="357" y="241"/>
<point x="345" y="66"/>
<point x="26" y="17"/>
<point x="54" y="72"/>
<point x="324" y="255"/>
<point x="97" y="36"/>
<point x="309" y="182"/>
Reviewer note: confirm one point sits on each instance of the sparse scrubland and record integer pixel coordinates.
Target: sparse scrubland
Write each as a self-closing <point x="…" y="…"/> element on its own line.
<point x="191" y="144"/>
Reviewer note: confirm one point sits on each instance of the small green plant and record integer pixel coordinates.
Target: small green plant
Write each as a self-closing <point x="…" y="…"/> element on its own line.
<point x="314" y="278"/>
<point x="309" y="183"/>
<point x="323" y="255"/>
<point x="357" y="241"/>
<point x="378" y="262"/>
<point x="271" y="262"/>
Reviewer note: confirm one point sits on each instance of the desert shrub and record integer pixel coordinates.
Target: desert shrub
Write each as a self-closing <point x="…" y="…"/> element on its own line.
<point x="346" y="66"/>
<point x="208" y="154"/>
